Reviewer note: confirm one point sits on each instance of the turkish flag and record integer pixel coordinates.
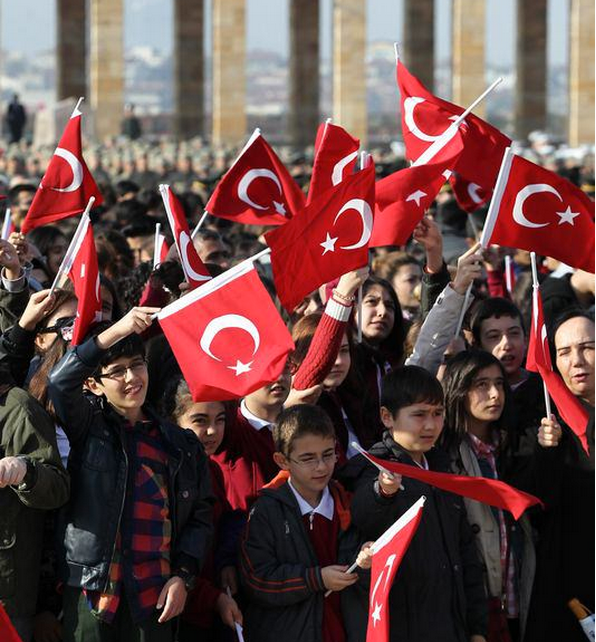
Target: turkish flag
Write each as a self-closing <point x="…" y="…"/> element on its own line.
<point x="538" y="360"/>
<point x="336" y="155"/>
<point x="194" y="269"/>
<point x="328" y="239"/>
<point x="469" y="196"/>
<point x="388" y="552"/>
<point x="403" y="197"/>
<point x="493" y="492"/>
<point x="538" y="210"/>
<point x="425" y="117"/>
<point x="227" y="336"/>
<point x="257" y="189"/>
<point x="67" y="184"/>
<point x="7" y="631"/>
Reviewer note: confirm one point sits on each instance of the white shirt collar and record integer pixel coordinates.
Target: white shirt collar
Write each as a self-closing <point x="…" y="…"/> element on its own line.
<point x="256" y="422"/>
<point x="325" y="507"/>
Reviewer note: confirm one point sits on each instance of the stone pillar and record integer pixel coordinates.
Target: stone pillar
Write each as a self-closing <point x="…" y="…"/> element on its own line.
<point x="468" y="52"/>
<point x="349" y="69"/>
<point x="581" y="73"/>
<point x="530" y="94"/>
<point x="304" y="72"/>
<point x="71" y="30"/>
<point x="418" y="49"/>
<point x="229" y="73"/>
<point x="189" y="110"/>
<point x="107" y="66"/>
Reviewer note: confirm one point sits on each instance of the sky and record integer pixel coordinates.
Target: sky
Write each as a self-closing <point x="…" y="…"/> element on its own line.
<point x="148" y="23"/>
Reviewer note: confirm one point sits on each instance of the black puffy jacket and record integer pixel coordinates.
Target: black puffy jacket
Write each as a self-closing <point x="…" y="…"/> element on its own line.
<point x="98" y="465"/>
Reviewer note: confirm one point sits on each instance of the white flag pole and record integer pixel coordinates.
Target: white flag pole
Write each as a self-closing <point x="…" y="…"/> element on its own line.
<point x="464" y="308"/>
<point x="199" y="224"/>
<point x="76" y="111"/>
<point x="535" y="291"/>
<point x="156" y="245"/>
<point x="450" y="132"/>
<point x="495" y="201"/>
<point x="508" y="266"/>
<point x="73" y="246"/>
<point x="396" y="51"/>
<point x="6" y="225"/>
<point x="363" y="163"/>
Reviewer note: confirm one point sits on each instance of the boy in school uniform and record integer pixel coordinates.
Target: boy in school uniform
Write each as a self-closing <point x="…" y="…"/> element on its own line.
<point x="298" y="540"/>
<point x="438" y="593"/>
<point x="138" y="523"/>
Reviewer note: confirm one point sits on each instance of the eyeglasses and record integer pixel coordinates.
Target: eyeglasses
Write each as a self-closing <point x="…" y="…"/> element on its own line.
<point x="119" y="372"/>
<point x="312" y="462"/>
<point x="63" y="326"/>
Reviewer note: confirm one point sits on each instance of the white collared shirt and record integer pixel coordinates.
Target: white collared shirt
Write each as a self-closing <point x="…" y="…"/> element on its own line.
<point x="256" y="422"/>
<point x="325" y="507"/>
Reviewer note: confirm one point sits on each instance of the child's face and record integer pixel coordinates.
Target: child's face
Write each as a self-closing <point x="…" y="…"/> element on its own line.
<point x="378" y="314"/>
<point x="124" y="384"/>
<point x="486" y="397"/>
<point x="273" y="394"/>
<point x="415" y="428"/>
<point x="208" y="421"/>
<point x="340" y="368"/>
<point x="504" y="338"/>
<point x="310" y="463"/>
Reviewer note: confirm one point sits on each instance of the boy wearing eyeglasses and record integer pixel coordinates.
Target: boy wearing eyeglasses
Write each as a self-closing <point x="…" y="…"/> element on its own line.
<point x="138" y="522"/>
<point x="299" y="541"/>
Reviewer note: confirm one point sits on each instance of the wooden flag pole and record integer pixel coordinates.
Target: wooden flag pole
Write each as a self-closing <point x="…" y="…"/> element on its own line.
<point x="535" y="291"/>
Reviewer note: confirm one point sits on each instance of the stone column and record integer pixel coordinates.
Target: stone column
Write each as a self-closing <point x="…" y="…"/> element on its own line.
<point x="303" y="117"/>
<point x="107" y="66"/>
<point x="349" y="69"/>
<point x="468" y="52"/>
<point x="530" y="94"/>
<point x="189" y="110"/>
<point x="229" y="73"/>
<point x="581" y="73"/>
<point x="71" y="30"/>
<point x="418" y="48"/>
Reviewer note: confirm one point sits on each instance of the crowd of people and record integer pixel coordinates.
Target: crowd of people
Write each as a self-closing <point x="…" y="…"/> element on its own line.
<point x="131" y="512"/>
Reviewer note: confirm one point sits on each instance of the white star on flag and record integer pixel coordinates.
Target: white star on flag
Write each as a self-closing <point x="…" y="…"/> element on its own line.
<point x="376" y="614"/>
<point x="329" y="244"/>
<point x="567" y="216"/>
<point x="241" y="368"/>
<point x="279" y="208"/>
<point x="416" y="196"/>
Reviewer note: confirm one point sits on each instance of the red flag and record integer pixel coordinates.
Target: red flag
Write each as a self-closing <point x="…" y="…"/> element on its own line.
<point x="538" y="360"/>
<point x="83" y="271"/>
<point x="489" y="491"/>
<point x="7" y="631"/>
<point x="67" y="184"/>
<point x="537" y="210"/>
<point x="425" y="117"/>
<point x="194" y="269"/>
<point x="257" y="189"/>
<point x="227" y="336"/>
<point x="469" y="196"/>
<point x="336" y="154"/>
<point x="388" y="552"/>
<point x="403" y="197"/>
<point x="329" y="238"/>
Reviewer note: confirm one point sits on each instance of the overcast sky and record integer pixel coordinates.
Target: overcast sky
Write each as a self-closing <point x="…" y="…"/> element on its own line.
<point x="30" y="25"/>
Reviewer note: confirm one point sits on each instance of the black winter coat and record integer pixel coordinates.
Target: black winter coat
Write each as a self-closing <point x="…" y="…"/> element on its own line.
<point x="98" y="465"/>
<point x="438" y="592"/>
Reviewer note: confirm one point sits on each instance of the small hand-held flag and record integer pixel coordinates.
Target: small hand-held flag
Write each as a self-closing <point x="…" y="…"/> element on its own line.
<point x="160" y="247"/>
<point x="7" y="631"/>
<point x="67" y="184"/>
<point x="388" y="552"/>
<point x="537" y="210"/>
<point x="227" y="335"/>
<point x="194" y="269"/>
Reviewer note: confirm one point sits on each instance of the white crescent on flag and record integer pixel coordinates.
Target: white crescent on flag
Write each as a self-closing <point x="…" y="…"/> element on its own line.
<point x="518" y="208"/>
<point x="338" y="170"/>
<point x="248" y="178"/>
<point x="185" y="241"/>
<point x="409" y="106"/>
<point x="215" y="326"/>
<point x="473" y="192"/>
<point x="363" y="208"/>
<point x="75" y="166"/>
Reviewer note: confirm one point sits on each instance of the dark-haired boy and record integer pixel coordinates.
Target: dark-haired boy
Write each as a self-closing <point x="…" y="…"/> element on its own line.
<point x="439" y="591"/>
<point x="298" y="540"/>
<point x="139" y="519"/>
